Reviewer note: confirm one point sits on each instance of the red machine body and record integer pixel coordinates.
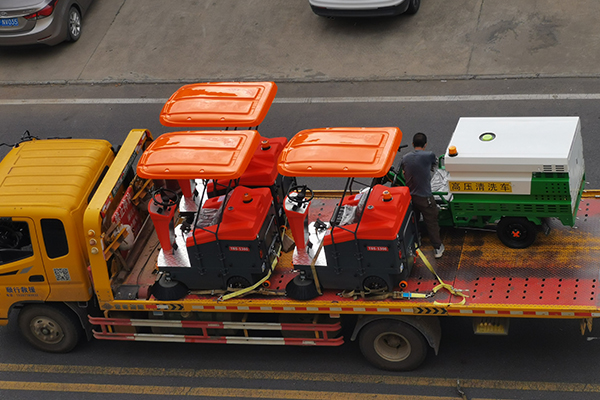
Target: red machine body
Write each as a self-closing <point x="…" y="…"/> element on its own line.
<point x="380" y="219"/>
<point x="242" y="216"/>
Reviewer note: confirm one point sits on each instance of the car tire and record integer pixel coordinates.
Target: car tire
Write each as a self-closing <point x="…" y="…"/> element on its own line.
<point x="413" y="7"/>
<point x="73" y="25"/>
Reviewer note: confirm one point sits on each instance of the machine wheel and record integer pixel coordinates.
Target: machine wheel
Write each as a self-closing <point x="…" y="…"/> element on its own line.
<point x="393" y="345"/>
<point x="375" y="283"/>
<point x="168" y="289"/>
<point x="301" y="288"/>
<point x="413" y="7"/>
<point x="516" y="233"/>
<point x="49" y="328"/>
<point x="238" y="282"/>
<point x="73" y="25"/>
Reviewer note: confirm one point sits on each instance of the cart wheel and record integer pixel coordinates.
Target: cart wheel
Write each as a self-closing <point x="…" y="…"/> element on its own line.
<point x="49" y="328"/>
<point x="516" y="233"/>
<point x="393" y="345"/>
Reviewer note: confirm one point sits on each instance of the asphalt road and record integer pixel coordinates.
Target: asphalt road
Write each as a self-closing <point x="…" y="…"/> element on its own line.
<point x="537" y="360"/>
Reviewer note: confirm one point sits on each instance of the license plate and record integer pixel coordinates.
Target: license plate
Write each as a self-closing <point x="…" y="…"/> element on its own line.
<point x="9" y="22"/>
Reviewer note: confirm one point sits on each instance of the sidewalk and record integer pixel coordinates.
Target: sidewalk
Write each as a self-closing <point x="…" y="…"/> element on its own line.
<point x="282" y="40"/>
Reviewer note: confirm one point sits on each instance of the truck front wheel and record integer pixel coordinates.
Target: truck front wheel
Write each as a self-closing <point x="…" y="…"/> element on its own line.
<point x="393" y="345"/>
<point x="50" y="328"/>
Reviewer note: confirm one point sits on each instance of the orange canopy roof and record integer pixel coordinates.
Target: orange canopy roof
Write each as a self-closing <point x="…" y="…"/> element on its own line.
<point x="219" y="104"/>
<point x="199" y="155"/>
<point x="340" y="152"/>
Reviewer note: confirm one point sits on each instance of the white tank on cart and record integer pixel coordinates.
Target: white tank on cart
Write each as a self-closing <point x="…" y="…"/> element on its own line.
<point x="501" y="155"/>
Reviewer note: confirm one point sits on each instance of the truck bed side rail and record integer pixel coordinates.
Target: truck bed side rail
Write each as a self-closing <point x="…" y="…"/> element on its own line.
<point x="295" y="334"/>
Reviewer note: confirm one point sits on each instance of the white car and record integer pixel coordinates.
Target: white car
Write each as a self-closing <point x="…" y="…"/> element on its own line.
<point x="364" y="8"/>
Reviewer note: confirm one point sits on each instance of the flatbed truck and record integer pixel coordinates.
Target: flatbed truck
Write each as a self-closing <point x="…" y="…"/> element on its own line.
<point x="78" y="259"/>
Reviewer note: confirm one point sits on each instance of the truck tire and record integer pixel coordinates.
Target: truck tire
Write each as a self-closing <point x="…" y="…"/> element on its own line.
<point x="393" y="345"/>
<point x="516" y="232"/>
<point x="50" y="328"/>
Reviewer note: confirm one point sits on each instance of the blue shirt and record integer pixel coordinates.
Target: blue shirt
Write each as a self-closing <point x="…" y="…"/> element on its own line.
<point x="417" y="166"/>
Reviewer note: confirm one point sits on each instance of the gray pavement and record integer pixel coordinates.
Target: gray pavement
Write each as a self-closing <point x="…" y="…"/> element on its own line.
<point x="149" y="41"/>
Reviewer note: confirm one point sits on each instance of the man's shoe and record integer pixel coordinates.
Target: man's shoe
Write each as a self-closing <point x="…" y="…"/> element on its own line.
<point x="439" y="251"/>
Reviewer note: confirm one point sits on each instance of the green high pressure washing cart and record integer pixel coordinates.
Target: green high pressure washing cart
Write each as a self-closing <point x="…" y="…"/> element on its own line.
<point x="513" y="173"/>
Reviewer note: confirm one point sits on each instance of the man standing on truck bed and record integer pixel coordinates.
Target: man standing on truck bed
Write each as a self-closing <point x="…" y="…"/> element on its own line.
<point x="417" y="166"/>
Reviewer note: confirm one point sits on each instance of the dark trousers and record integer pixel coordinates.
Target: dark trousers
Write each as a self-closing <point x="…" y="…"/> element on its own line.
<point x="426" y="206"/>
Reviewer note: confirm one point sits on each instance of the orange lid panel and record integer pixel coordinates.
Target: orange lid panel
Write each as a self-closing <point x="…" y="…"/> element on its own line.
<point x="340" y="152"/>
<point x="219" y="104"/>
<point x="199" y="155"/>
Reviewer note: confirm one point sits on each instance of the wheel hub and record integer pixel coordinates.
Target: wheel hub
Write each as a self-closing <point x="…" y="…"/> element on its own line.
<point x="47" y="330"/>
<point x="75" y="24"/>
<point x="392" y="346"/>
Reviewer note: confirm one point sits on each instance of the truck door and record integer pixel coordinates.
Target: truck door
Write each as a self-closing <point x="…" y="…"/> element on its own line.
<point x="22" y="274"/>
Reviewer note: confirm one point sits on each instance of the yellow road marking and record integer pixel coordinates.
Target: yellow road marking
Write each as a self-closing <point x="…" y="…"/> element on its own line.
<point x="207" y="392"/>
<point x="302" y="376"/>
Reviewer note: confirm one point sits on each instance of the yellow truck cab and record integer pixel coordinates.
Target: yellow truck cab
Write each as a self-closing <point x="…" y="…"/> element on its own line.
<point x="45" y="188"/>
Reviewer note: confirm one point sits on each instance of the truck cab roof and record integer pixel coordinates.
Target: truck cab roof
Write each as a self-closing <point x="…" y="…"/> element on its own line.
<point x="50" y="173"/>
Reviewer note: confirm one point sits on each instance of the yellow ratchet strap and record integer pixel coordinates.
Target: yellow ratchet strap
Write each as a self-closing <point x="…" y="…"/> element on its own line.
<point x="245" y="290"/>
<point x="381" y="295"/>
<point x="257" y="284"/>
<point x="442" y="285"/>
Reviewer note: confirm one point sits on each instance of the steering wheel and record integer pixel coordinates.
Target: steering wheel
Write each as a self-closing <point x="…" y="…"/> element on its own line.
<point x="165" y="197"/>
<point x="9" y="237"/>
<point x="300" y="195"/>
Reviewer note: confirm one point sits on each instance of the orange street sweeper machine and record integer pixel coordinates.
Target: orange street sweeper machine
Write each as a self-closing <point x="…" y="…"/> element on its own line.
<point x="364" y="240"/>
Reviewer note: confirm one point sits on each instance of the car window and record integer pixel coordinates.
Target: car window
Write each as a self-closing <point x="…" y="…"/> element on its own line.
<point x="55" y="238"/>
<point x="15" y="241"/>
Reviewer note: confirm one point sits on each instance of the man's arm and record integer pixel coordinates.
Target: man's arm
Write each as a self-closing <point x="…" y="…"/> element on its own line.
<point x="434" y="161"/>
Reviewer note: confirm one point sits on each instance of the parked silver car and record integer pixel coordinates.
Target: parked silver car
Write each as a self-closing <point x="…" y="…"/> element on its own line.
<point x="364" y="8"/>
<point x="41" y="21"/>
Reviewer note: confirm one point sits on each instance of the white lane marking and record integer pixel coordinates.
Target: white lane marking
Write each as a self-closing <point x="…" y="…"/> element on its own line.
<point x="322" y="100"/>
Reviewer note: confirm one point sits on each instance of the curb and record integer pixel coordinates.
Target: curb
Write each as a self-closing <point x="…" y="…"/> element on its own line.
<point x="301" y="80"/>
